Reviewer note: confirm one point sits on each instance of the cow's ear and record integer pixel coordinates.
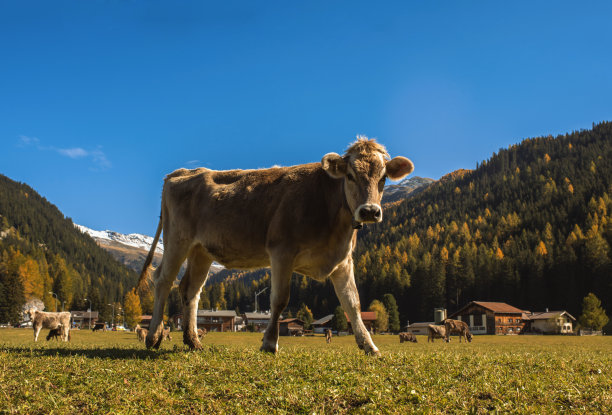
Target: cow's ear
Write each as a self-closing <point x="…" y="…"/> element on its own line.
<point x="334" y="165"/>
<point x="399" y="167"/>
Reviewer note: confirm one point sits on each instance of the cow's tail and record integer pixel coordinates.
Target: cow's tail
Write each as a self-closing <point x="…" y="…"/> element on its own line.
<point x="144" y="274"/>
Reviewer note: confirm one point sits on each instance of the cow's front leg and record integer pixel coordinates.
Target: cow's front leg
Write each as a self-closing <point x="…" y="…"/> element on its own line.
<point x="346" y="290"/>
<point x="279" y="298"/>
<point x="163" y="278"/>
<point x="36" y="332"/>
<point x="190" y="288"/>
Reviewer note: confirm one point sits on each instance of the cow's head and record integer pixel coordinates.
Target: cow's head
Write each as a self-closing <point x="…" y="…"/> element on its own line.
<point x="364" y="169"/>
<point x="31" y="312"/>
<point x="468" y="336"/>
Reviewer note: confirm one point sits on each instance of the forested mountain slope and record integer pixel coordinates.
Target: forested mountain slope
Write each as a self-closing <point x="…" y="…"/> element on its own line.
<point x="531" y="226"/>
<point x="42" y="251"/>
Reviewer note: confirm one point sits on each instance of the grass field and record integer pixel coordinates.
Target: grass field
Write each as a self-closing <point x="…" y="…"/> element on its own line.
<point x="112" y="373"/>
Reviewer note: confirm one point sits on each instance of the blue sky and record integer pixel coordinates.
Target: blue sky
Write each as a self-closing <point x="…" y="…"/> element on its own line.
<point x="101" y="99"/>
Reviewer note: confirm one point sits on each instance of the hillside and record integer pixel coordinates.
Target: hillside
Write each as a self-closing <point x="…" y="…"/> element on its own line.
<point x="530" y="226"/>
<point x="41" y="251"/>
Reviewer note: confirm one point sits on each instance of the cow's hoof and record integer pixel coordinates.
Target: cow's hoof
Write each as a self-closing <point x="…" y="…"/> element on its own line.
<point x="372" y="351"/>
<point x="194" y="345"/>
<point x="268" y="348"/>
<point x="152" y="343"/>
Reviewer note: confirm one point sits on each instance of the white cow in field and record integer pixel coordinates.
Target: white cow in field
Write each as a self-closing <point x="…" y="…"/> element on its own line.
<point x="47" y="320"/>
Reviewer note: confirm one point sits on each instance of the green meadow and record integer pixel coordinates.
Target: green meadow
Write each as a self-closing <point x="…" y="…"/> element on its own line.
<point x="112" y="372"/>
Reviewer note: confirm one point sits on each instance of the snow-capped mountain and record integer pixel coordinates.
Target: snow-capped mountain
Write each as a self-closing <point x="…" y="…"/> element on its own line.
<point x="406" y="188"/>
<point x="135" y="240"/>
<point x="132" y="249"/>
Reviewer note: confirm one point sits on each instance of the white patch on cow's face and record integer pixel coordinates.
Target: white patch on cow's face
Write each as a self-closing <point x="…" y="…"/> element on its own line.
<point x="364" y="185"/>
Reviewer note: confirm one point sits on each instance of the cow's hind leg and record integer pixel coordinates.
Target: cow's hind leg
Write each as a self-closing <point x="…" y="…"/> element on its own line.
<point x="346" y="290"/>
<point x="279" y="298"/>
<point x="163" y="278"/>
<point x="190" y="288"/>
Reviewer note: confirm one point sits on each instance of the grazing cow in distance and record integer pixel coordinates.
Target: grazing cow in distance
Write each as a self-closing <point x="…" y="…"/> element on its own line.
<point x="48" y="320"/>
<point x="301" y="219"/>
<point x="55" y="333"/>
<point x="457" y="327"/>
<point x="201" y="333"/>
<point x="141" y="333"/>
<point x="99" y="326"/>
<point x="166" y="333"/>
<point x="407" y="337"/>
<point x="328" y="335"/>
<point x="435" y="331"/>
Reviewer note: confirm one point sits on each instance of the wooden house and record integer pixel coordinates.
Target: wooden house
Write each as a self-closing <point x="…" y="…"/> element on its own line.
<point x="419" y="328"/>
<point x="216" y="320"/>
<point x="291" y="327"/>
<point x="550" y="322"/>
<point x="484" y="317"/>
<point x="259" y="321"/>
<point x="319" y="326"/>
<point x="84" y="319"/>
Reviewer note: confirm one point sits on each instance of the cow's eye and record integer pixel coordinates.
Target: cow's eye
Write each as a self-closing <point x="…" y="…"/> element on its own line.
<point x="350" y="177"/>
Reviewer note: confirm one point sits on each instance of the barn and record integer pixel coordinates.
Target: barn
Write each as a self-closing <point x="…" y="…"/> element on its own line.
<point x="291" y="327"/>
<point x="485" y="317"/>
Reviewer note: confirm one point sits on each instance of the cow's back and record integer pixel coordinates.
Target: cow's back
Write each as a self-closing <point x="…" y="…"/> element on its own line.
<point x="238" y="215"/>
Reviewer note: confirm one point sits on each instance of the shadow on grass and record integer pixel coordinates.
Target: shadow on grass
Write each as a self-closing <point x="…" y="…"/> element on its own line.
<point x="91" y="353"/>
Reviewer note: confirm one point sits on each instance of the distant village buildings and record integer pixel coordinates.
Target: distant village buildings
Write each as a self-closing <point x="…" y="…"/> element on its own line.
<point x="487" y="317"/>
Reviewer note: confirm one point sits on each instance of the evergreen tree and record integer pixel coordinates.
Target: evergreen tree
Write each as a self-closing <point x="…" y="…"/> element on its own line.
<point x="593" y="315"/>
<point x="339" y="322"/>
<point x="393" y="312"/>
<point x="305" y="315"/>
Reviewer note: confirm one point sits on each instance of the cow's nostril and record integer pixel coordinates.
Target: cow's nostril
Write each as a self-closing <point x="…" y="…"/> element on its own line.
<point x="377" y="213"/>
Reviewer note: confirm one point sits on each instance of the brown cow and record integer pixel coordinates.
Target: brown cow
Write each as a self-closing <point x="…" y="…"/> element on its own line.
<point x="300" y="219"/>
<point x="201" y="333"/>
<point x="436" y="332"/>
<point x="457" y="327"/>
<point x="407" y="337"/>
<point x="46" y="320"/>
<point x="54" y="333"/>
<point x="328" y="335"/>
<point x="166" y="334"/>
<point x="141" y="333"/>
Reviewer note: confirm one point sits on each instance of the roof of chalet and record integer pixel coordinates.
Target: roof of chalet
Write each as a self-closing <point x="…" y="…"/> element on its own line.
<point x="258" y="316"/>
<point x="545" y="315"/>
<point x="499" y="308"/>
<point x="323" y="320"/>
<point x="216" y="313"/>
<point x="84" y="314"/>
<point x="421" y="324"/>
<point x="292" y="320"/>
<point x="365" y="316"/>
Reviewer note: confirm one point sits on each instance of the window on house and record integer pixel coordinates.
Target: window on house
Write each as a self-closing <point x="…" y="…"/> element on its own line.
<point x="478" y="319"/>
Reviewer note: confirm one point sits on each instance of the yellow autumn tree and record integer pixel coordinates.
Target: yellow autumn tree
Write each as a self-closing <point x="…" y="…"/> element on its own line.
<point x="382" y="317"/>
<point x="132" y="309"/>
<point x="541" y="249"/>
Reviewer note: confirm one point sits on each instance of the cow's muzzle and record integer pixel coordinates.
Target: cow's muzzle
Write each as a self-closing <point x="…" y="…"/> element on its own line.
<point x="368" y="213"/>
